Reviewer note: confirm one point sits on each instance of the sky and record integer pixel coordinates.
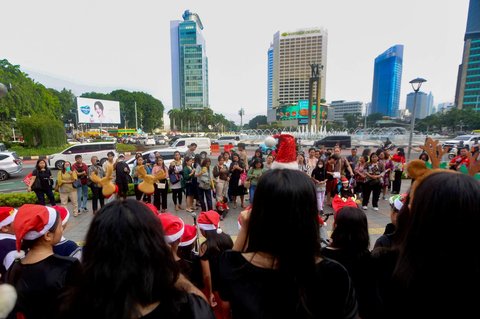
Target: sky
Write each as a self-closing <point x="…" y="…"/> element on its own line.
<point x="102" y="45"/>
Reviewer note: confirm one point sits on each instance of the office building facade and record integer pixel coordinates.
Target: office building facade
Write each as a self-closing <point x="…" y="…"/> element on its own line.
<point x="338" y="109"/>
<point x="421" y="110"/>
<point x="468" y="81"/>
<point x="293" y="53"/>
<point x="189" y="63"/>
<point x="387" y="80"/>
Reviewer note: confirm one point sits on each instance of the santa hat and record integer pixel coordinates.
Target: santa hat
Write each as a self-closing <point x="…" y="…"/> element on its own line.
<point x="344" y="179"/>
<point x="173" y="227"/>
<point x="64" y="214"/>
<point x="32" y="222"/>
<point x="189" y="235"/>
<point x="7" y="214"/>
<point x="287" y="153"/>
<point x="209" y="221"/>
<point x="152" y="208"/>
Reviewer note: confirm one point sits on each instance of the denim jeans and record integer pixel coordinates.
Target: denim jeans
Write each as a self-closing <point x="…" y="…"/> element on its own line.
<point x="251" y="192"/>
<point x="82" y="197"/>
<point x="205" y="193"/>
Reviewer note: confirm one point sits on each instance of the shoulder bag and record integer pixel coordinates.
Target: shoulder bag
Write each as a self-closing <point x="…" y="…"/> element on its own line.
<point x="77" y="183"/>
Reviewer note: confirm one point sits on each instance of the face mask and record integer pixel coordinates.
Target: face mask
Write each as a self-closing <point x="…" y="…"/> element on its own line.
<point x="67" y="168"/>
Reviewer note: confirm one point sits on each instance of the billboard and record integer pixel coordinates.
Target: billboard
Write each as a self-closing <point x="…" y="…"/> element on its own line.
<point x="97" y="111"/>
<point x="298" y="112"/>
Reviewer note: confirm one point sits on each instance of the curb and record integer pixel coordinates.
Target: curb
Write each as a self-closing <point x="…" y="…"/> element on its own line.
<point x="27" y="158"/>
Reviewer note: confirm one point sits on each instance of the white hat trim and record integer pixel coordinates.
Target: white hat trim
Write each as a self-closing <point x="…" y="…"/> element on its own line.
<point x="207" y="226"/>
<point x="52" y="217"/>
<point x="9" y="219"/>
<point x="171" y="238"/>
<point x="66" y="217"/>
<point x="188" y="242"/>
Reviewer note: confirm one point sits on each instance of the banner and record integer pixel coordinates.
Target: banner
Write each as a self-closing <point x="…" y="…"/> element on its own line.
<point x="97" y="111"/>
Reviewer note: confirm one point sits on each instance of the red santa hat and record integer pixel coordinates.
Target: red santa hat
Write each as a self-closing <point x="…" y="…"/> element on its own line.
<point x="189" y="235"/>
<point x="287" y="152"/>
<point x="173" y="227"/>
<point x="7" y="214"/>
<point x="209" y="221"/>
<point x="64" y="214"/>
<point x="152" y="208"/>
<point x="32" y="222"/>
<point x="344" y="180"/>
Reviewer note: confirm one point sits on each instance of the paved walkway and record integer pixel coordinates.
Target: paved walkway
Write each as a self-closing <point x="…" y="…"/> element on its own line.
<point x="77" y="227"/>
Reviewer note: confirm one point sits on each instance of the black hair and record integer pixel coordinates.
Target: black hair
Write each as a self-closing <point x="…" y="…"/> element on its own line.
<point x="312" y="149"/>
<point x="197" y="160"/>
<point x="99" y="105"/>
<point x="37" y="167"/>
<point x="255" y="162"/>
<point x="351" y="231"/>
<point x="111" y="154"/>
<point x="205" y="161"/>
<point x="63" y="166"/>
<point x="401" y="151"/>
<point x="78" y="156"/>
<point x="242" y="145"/>
<point x="425" y="258"/>
<point x="424" y="155"/>
<point x="372" y="155"/>
<point x="192" y="144"/>
<point x="286" y="199"/>
<point x="220" y="157"/>
<point x="365" y="157"/>
<point x="126" y="262"/>
<point x="217" y="243"/>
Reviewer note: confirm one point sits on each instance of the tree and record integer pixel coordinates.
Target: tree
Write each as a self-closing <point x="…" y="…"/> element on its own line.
<point x="373" y="118"/>
<point x="353" y="119"/>
<point x="256" y="121"/>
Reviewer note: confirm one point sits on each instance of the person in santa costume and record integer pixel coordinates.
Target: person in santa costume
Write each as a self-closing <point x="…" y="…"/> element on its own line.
<point x="41" y="276"/>
<point x="287" y="152"/>
<point x="215" y="244"/>
<point x="7" y="239"/>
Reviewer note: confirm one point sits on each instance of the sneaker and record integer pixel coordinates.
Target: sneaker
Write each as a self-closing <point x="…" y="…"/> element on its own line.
<point x="375" y="208"/>
<point x="365" y="207"/>
<point x="85" y="210"/>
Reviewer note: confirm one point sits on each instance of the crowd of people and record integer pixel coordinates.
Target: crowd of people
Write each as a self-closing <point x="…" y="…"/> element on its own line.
<point x="141" y="262"/>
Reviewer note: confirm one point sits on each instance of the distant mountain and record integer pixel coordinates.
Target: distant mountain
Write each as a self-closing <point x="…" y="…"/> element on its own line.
<point x="58" y="83"/>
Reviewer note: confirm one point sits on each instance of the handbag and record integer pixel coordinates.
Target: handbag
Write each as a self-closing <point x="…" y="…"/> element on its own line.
<point x="77" y="183"/>
<point x="161" y="185"/>
<point x="243" y="178"/>
<point x="37" y="184"/>
<point x="174" y="178"/>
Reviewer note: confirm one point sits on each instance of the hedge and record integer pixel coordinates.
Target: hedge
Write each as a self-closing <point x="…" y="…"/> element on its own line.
<point x="19" y="199"/>
<point x="40" y="130"/>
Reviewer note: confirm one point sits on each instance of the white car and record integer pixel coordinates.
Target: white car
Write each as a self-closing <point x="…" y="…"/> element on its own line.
<point x="148" y="156"/>
<point x="225" y="140"/>
<point x="87" y="150"/>
<point x="150" y="141"/>
<point x="467" y="140"/>
<point x="10" y="164"/>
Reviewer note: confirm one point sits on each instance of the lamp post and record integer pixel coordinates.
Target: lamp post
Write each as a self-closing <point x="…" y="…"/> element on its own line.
<point x="416" y="84"/>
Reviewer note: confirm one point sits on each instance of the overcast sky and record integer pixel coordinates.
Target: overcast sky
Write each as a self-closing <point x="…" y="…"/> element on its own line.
<point x="126" y="44"/>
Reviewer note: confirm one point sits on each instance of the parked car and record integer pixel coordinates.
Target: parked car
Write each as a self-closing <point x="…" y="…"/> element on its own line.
<point x="150" y="141"/>
<point x="229" y="139"/>
<point x="344" y="141"/>
<point x="181" y="145"/>
<point x="87" y="150"/>
<point x="463" y="140"/>
<point x="148" y="156"/>
<point x="160" y="139"/>
<point x="10" y="164"/>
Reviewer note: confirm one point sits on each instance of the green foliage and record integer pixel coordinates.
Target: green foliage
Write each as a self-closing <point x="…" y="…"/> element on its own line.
<point x="204" y="120"/>
<point x="26" y="97"/>
<point x="19" y="199"/>
<point x="123" y="148"/>
<point x="149" y="109"/>
<point x="40" y="130"/>
<point x="353" y="119"/>
<point x="453" y="120"/>
<point x="256" y="121"/>
<point x="34" y="151"/>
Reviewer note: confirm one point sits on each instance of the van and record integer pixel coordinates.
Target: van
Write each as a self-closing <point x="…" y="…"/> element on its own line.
<point x="181" y="145"/>
<point x="344" y="141"/>
<point x="87" y="150"/>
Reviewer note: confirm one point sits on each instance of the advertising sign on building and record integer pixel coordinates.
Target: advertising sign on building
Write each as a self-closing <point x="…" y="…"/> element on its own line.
<point x="299" y="112"/>
<point x="97" y="111"/>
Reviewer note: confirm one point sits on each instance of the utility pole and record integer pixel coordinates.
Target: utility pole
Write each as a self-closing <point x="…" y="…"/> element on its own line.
<point x="241" y="113"/>
<point x="136" y="120"/>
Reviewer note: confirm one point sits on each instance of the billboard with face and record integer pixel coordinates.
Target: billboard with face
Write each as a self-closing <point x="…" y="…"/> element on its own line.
<point x="97" y="111"/>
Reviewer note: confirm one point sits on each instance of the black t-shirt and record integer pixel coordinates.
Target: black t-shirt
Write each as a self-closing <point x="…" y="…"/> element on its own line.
<point x="40" y="285"/>
<point x="44" y="177"/>
<point x="190" y="306"/>
<point x="122" y="171"/>
<point x="255" y="292"/>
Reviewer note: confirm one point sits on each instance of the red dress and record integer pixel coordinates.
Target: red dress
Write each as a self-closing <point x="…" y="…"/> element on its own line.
<point x="331" y="182"/>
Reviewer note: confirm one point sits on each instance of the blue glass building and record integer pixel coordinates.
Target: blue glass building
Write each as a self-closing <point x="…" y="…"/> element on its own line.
<point x="270" y="78"/>
<point x="468" y="81"/>
<point x="387" y="80"/>
<point x="189" y="63"/>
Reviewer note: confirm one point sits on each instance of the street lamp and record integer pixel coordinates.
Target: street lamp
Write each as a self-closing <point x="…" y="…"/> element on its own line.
<point x="416" y="84"/>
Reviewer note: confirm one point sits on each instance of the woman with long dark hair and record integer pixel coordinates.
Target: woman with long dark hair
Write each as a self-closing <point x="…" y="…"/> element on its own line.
<point x="373" y="182"/>
<point x="129" y="270"/>
<point x="349" y="245"/>
<point x="235" y="188"/>
<point x="161" y="188"/>
<point x="437" y="276"/>
<point x="43" y="186"/>
<point x="269" y="275"/>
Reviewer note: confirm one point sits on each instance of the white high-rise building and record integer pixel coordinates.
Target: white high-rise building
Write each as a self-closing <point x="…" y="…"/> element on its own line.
<point x="340" y="108"/>
<point x="293" y="53"/>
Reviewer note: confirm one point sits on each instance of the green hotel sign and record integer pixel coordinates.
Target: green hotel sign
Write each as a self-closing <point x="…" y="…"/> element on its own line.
<point x="302" y="32"/>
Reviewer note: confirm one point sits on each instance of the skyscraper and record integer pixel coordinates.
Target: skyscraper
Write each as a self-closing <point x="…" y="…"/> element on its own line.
<point x="387" y="79"/>
<point x="421" y="110"/>
<point x="293" y="52"/>
<point x="467" y="94"/>
<point x="270" y="78"/>
<point x="189" y="63"/>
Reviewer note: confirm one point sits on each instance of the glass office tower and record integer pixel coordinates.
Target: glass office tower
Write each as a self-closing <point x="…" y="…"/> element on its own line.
<point x="387" y="80"/>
